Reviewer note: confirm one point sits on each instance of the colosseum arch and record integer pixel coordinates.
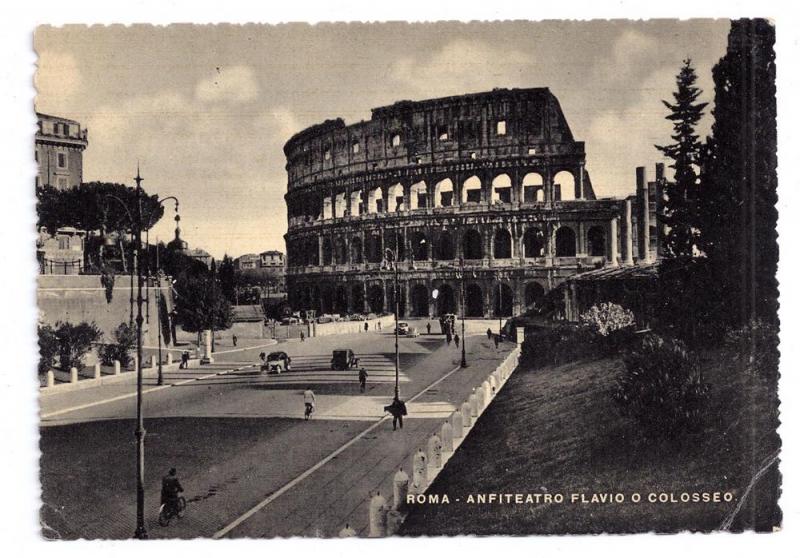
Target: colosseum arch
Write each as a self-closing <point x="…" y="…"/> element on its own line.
<point x="419" y="300"/>
<point x="355" y="203"/>
<point x="373" y="248"/>
<point x="327" y="251"/>
<point x="419" y="246"/>
<point x="445" y="247"/>
<point x="316" y="299"/>
<point x="564" y="182"/>
<point x="327" y="207"/>
<point x="443" y="193"/>
<point x="565" y="242"/>
<point x="533" y="242"/>
<point x="311" y="251"/>
<point x="340" y="251"/>
<point x="503" y="300"/>
<point x="375" y="201"/>
<point x="445" y="300"/>
<point x="375" y="298"/>
<point x="534" y="296"/>
<point x="419" y="195"/>
<point x="395" y="198"/>
<point x="340" y="301"/>
<point x="596" y="241"/>
<point x="474" y="301"/>
<point x="471" y="190"/>
<point x="395" y="241"/>
<point x="502" y="244"/>
<point x="357" y="297"/>
<point x="473" y="245"/>
<point x="532" y="187"/>
<point x="356" y="250"/>
<point x="501" y="189"/>
<point x="340" y="204"/>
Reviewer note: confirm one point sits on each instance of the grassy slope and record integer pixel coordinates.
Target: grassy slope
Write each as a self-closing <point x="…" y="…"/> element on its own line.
<point x="556" y="429"/>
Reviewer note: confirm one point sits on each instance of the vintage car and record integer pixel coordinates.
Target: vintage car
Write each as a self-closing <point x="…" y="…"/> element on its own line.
<point x="343" y="359"/>
<point x="402" y="328"/>
<point x="277" y="362"/>
<point x="412" y="332"/>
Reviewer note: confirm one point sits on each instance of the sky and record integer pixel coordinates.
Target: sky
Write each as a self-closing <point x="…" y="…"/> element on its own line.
<point x="206" y="110"/>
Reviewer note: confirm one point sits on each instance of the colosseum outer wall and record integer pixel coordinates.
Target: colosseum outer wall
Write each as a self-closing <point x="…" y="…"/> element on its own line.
<point x="483" y="197"/>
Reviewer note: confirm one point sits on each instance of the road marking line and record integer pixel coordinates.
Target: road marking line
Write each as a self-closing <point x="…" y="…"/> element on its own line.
<point x="308" y="472"/>
<point x="133" y="394"/>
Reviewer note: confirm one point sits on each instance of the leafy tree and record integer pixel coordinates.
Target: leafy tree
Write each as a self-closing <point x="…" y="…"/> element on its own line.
<point x="739" y="179"/>
<point x="125" y="335"/>
<point x="201" y="304"/>
<point x="74" y="341"/>
<point x="48" y="347"/>
<point x="680" y="211"/>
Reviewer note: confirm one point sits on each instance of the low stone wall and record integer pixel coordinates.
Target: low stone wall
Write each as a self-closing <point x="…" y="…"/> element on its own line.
<point x="339" y="328"/>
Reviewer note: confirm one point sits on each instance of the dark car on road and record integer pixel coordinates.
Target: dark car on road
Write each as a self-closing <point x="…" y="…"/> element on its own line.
<point x="343" y="359"/>
<point x="277" y="362"/>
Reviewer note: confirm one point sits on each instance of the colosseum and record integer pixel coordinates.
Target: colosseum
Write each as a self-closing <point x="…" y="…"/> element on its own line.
<point x="481" y="198"/>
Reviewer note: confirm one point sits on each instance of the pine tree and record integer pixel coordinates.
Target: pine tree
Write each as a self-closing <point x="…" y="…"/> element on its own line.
<point x="680" y="207"/>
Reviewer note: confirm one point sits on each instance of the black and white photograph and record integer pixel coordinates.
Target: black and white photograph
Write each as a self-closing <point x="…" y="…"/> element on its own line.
<point x="399" y="279"/>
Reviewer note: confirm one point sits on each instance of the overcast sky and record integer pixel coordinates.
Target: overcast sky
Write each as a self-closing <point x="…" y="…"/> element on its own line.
<point x="206" y="110"/>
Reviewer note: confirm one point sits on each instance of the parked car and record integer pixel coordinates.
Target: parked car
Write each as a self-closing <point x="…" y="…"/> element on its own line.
<point x="402" y="328"/>
<point x="343" y="359"/>
<point x="277" y="362"/>
<point x="290" y="321"/>
<point x="413" y="332"/>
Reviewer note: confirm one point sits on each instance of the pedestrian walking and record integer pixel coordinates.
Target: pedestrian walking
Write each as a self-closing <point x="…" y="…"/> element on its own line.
<point x="310" y="401"/>
<point x="497" y="341"/>
<point x="449" y="337"/>
<point x="398" y="410"/>
<point x="302" y="336"/>
<point x="456" y="339"/>
<point x="489" y="333"/>
<point x="184" y="360"/>
<point x="366" y="326"/>
<point x="362" y="379"/>
<point x="428" y="327"/>
<point x="235" y="340"/>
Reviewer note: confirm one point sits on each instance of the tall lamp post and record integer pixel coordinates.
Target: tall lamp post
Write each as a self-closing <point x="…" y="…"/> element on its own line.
<point x="137" y="224"/>
<point x="391" y="263"/>
<point x="463" y="315"/>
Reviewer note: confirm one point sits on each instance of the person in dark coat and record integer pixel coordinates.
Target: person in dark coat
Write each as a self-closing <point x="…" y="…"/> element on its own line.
<point x="184" y="360"/>
<point x="489" y="333"/>
<point x="456" y="338"/>
<point x="170" y="487"/>
<point x="449" y="337"/>
<point x="497" y="341"/>
<point x="398" y="410"/>
<point x="428" y="327"/>
<point x="235" y="340"/>
<point x="362" y="379"/>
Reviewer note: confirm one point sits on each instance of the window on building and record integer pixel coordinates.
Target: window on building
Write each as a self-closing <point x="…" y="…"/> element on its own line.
<point x="62" y="160"/>
<point x="56" y="128"/>
<point x="531" y="151"/>
<point x="442" y="133"/>
<point x="327" y="154"/>
<point x="356" y="147"/>
<point x="395" y="140"/>
<point x="473" y="155"/>
<point x="63" y="243"/>
<point x="501" y="128"/>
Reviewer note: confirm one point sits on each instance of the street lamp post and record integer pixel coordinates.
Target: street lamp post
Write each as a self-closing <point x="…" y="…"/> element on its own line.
<point x="137" y="224"/>
<point x="393" y="262"/>
<point x="463" y="315"/>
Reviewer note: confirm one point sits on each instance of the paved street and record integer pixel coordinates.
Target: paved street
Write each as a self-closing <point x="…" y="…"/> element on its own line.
<point x="239" y="442"/>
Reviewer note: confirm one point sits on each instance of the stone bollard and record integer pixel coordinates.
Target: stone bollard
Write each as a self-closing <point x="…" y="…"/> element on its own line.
<point x="377" y="516"/>
<point x="487" y="391"/>
<point x="458" y="424"/>
<point x="400" y="490"/>
<point x="394" y="519"/>
<point x="97" y="372"/>
<point x="153" y="362"/>
<point x="207" y="358"/>
<point x="73" y="375"/>
<point x="473" y="404"/>
<point x="493" y="384"/>
<point x="169" y="357"/>
<point x="447" y="437"/>
<point x="466" y="415"/>
<point x="520" y="335"/>
<point x="480" y="398"/>
<point x="51" y="378"/>
<point x="116" y="367"/>
<point x="434" y="455"/>
<point x="420" y="471"/>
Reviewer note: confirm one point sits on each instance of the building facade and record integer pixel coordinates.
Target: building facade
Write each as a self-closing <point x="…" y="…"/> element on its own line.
<point x="60" y="143"/>
<point x="480" y="198"/>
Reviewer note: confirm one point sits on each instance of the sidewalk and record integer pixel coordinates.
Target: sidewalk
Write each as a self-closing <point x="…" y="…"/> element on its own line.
<point x="338" y="491"/>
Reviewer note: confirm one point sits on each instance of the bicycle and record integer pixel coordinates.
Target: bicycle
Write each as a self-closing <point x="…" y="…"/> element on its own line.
<point x="169" y="510"/>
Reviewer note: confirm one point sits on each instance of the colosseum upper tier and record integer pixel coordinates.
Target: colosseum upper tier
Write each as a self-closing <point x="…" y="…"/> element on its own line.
<point x="485" y="192"/>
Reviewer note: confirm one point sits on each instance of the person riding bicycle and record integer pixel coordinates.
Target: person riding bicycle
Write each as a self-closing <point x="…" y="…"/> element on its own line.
<point x="170" y="488"/>
<point x="310" y="400"/>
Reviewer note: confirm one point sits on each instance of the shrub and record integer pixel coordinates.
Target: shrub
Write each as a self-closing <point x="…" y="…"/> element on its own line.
<point x="74" y="341"/>
<point x="607" y="318"/>
<point x="662" y="388"/>
<point x="121" y="350"/>
<point x="756" y="344"/>
<point x="560" y="344"/>
<point x="48" y="348"/>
